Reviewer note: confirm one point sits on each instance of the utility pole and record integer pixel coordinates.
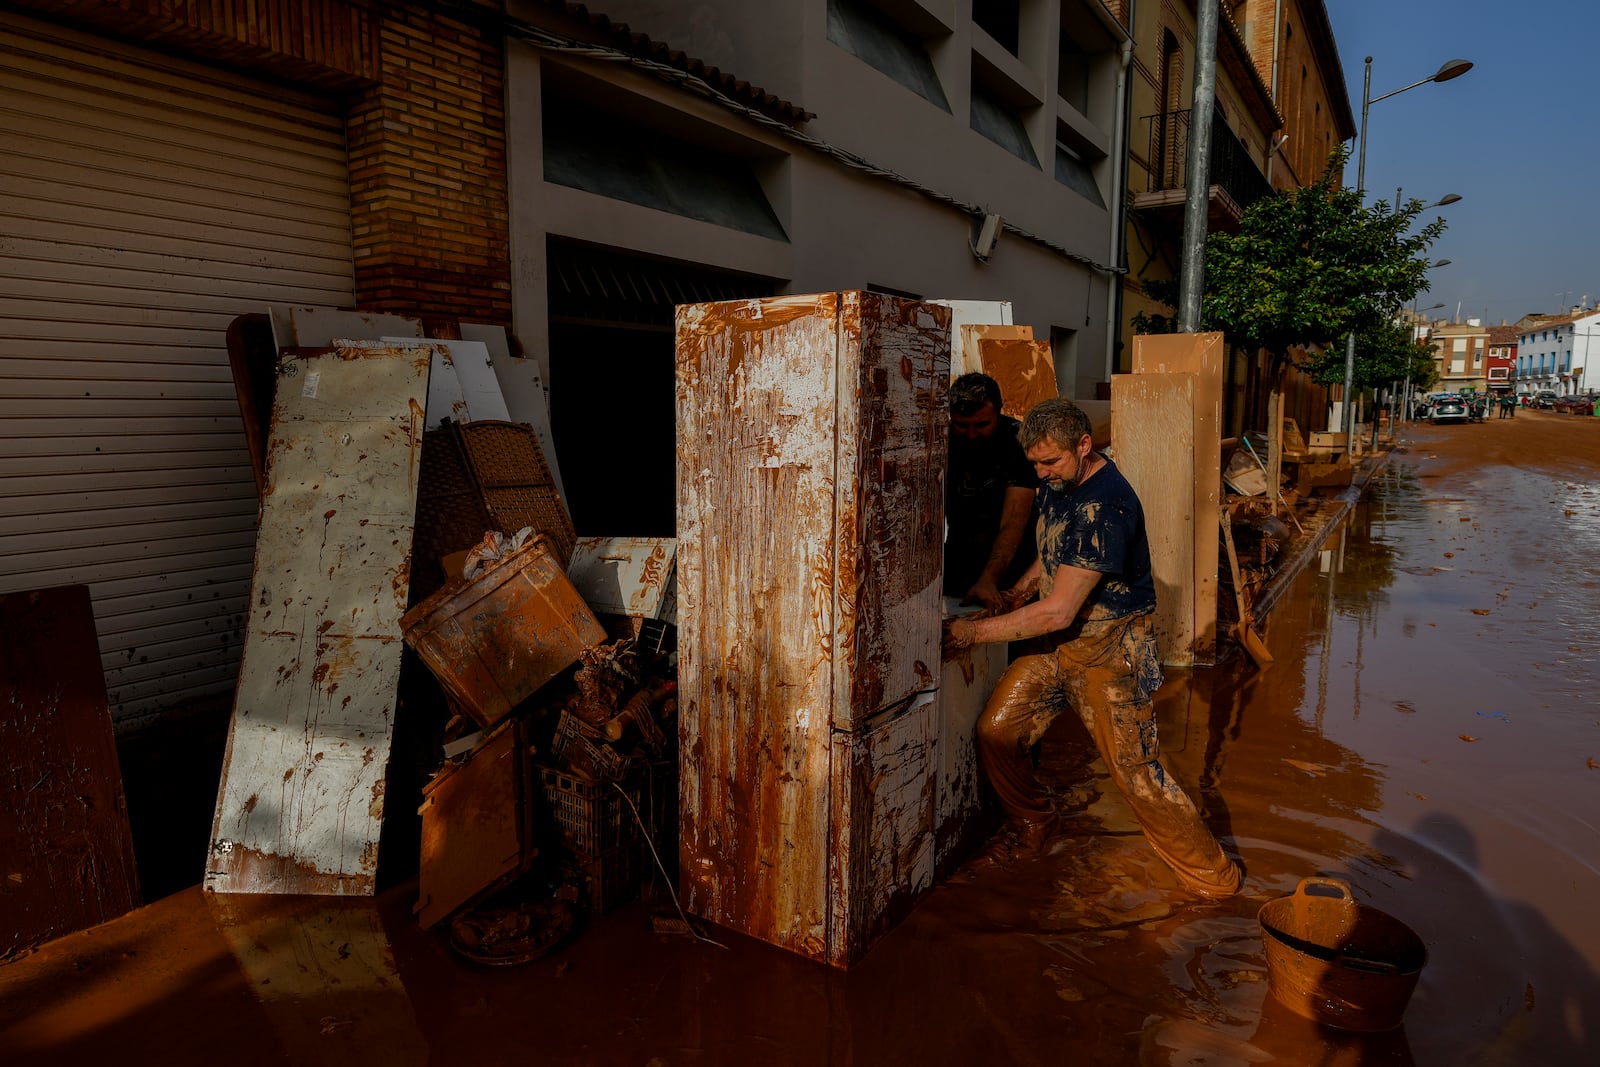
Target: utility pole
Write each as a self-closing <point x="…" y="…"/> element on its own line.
<point x="1197" y="200"/>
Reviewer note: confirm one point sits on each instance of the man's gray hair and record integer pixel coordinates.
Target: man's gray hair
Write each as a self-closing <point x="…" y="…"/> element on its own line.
<point x="1059" y="419"/>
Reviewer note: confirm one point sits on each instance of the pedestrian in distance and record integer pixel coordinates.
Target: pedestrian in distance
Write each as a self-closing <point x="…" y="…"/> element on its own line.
<point x="1091" y="597"/>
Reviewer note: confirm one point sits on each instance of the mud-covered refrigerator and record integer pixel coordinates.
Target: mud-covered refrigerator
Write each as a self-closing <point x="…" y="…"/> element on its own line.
<point x="811" y="463"/>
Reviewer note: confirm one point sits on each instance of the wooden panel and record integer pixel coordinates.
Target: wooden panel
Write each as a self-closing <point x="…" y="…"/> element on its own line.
<point x="1026" y="372"/>
<point x="301" y="798"/>
<point x="1203" y="355"/>
<point x="1152" y="424"/>
<point x="972" y="313"/>
<point x="756" y="383"/>
<point x="625" y="575"/>
<point x="146" y="203"/>
<point x="967" y="339"/>
<point x="475" y="825"/>
<point x="893" y="427"/>
<point x="884" y="796"/>
<point x="67" y="853"/>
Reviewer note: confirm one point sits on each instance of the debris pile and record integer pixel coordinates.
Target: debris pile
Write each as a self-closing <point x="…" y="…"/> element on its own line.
<point x="563" y="736"/>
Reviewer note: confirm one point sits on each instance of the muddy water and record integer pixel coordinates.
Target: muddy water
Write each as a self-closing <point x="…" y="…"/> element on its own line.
<point x="1425" y="734"/>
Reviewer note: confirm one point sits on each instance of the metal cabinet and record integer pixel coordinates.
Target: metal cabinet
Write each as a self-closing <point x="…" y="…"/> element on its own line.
<point x="811" y="445"/>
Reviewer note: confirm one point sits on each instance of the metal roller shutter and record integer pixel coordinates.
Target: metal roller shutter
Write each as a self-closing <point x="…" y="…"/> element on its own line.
<point x="144" y="203"/>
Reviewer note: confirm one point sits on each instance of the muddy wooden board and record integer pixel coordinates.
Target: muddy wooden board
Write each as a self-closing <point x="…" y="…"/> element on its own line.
<point x="968" y="337"/>
<point x="475" y="827"/>
<point x="631" y="576"/>
<point x="1203" y="355"/>
<point x="66" y="856"/>
<point x="301" y="797"/>
<point x="313" y="327"/>
<point x="810" y="521"/>
<point x="973" y="313"/>
<point x="1153" y="434"/>
<point x="461" y="383"/>
<point x="1025" y="370"/>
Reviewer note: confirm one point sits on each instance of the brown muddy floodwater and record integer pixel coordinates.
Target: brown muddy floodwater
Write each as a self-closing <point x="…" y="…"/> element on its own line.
<point x="1429" y="733"/>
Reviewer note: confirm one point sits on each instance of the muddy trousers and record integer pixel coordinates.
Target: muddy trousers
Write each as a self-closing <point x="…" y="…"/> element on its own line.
<point x="1105" y="671"/>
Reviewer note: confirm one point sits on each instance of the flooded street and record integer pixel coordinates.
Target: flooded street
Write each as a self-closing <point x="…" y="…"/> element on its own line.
<point x="1428" y="733"/>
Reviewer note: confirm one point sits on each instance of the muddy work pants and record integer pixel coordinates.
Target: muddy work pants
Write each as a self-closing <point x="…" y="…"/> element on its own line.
<point x="1106" y="672"/>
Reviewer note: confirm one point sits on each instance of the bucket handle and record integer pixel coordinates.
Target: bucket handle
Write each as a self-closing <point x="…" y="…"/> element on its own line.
<point x="1340" y="888"/>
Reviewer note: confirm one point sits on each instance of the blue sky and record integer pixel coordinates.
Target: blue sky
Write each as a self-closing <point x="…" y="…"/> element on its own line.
<point x="1515" y="136"/>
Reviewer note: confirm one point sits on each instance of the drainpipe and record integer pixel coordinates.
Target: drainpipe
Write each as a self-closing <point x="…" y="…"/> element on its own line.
<point x="1277" y="28"/>
<point x="1119" y="210"/>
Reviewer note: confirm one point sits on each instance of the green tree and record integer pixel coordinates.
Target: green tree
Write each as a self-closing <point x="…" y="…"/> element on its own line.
<point x="1308" y="267"/>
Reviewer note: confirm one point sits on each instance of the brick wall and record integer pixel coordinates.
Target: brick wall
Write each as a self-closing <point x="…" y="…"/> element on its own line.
<point x="428" y="172"/>
<point x="426" y="126"/>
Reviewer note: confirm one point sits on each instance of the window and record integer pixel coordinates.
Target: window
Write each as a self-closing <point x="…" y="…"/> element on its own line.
<point x="879" y="42"/>
<point x="990" y="118"/>
<point x="1072" y="74"/>
<point x="610" y="156"/>
<point x="1072" y="170"/>
<point x="1000" y="19"/>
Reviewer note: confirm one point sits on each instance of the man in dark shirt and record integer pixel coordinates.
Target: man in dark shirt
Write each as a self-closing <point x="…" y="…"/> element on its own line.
<point x="1096" y="600"/>
<point x="988" y="496"/>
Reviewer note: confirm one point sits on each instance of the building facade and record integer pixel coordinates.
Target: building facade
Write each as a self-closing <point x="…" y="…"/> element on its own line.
<point x="913" y="121"/>
<point x="1554" y="353"/>
<point x="1281" y="107"/>
<point x="1502" y="360"/>
<point x="533" y="164"/>
<point x="1460" y="355"/>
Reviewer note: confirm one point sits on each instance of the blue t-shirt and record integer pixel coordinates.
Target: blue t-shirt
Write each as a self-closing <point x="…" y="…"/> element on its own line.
<point x="1098" y="525"/>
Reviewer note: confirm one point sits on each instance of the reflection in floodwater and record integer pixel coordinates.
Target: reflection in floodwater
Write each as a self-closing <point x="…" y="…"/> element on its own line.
<point x="330" y="952"/>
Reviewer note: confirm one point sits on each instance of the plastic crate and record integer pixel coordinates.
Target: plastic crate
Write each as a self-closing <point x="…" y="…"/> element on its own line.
<point x="606" y="849"/>
<point x="579" y="745"/>
<point x="591" y="816"/>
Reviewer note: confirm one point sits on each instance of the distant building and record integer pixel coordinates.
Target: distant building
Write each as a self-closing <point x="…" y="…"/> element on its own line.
<point x="1553" y="352"/>
<point x="1461" y="352"/>
<point x="1502" y="358"/>
<point x="1281" y="107"/>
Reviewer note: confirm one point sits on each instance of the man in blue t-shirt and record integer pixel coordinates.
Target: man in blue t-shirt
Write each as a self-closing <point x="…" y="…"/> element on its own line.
<point x="1096" y="601"/>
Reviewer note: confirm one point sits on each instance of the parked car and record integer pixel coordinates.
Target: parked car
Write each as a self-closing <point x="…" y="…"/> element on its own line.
<point x="1449" y="409"/>
<point x="1545" y="399"/>
<point x="1576" y="405"/>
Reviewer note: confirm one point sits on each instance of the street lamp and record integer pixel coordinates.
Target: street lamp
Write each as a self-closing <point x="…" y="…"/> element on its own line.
<point x="1444" y="201"/>
<point x="1452" y="68"/>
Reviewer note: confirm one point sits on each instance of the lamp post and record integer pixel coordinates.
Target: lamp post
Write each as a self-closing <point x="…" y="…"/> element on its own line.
<point x="1452" y="68"/>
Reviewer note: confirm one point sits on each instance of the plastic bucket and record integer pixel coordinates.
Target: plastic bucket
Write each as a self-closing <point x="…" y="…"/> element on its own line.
<point x="1339" y="962"/>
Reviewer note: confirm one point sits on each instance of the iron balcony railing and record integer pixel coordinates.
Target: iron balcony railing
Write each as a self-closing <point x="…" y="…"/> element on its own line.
<point x="1231" y="165"/>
